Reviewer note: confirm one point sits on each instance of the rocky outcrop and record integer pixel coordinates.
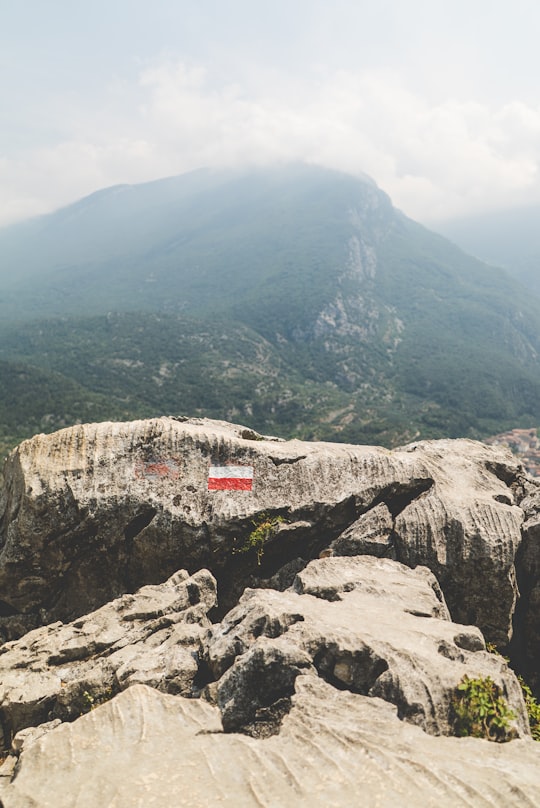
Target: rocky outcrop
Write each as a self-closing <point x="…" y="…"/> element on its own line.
<point x="341" y="685"/>
<point x="356" y="623"/>
<point x="95" y="511"/>
<point x="62" y="671"/>
<point x="311" y="678"/>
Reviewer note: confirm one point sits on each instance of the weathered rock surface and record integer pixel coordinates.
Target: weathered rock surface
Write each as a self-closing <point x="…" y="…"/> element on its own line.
<point x="370" y="534"/>
<point x="335" y="748"/>
<point x="368" y="625"/>
<point x="525" y="646"/>
<point x="337" y="682"/>
<point x="95" y="511"/>
<point x="468" y="534"/>
<point x="151" y="637"/>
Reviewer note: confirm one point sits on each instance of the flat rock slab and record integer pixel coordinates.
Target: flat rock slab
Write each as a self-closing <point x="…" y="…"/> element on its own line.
<point x="97" y="510"/>
<point x="335" y="749"/>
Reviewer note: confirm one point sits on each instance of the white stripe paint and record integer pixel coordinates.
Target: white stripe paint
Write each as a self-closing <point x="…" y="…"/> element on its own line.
<point x="243" y="472"/>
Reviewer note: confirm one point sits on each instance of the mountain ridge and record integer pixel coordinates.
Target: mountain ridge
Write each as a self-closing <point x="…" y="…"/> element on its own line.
<point x="367" y="310"/>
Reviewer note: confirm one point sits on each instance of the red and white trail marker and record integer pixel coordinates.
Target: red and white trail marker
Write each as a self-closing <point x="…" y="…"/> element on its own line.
<point x="230" y="478"/>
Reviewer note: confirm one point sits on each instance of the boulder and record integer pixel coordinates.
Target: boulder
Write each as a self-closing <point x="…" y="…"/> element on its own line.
<point x="62" y="671"/>
<point x="370" y="534"/>
<point x="335" y="748"/>
<point x="368" y="625"/>
<point x="95" y="511"/>
<point x="467" y="532"/>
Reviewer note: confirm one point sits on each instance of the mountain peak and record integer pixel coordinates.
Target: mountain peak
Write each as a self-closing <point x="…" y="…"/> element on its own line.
<point x="298" y="292"/>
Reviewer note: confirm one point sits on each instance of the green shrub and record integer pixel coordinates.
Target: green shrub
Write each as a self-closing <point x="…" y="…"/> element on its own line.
<point x="481" y="711"/>
<point x="533" y="709"/>
<point x="265" y="527"/>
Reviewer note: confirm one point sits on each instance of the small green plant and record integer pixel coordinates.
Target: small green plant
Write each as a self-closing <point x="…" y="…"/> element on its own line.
<point x="533" y="708"/>
<point x="481" y="711"/>
<point x="531" y="704"/>
<point x="491" y="648"/>
<point x="265" y="527"/>
<point x="89" y="701"/>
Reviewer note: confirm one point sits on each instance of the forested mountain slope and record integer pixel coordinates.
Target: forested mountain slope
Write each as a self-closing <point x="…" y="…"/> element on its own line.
<point x="294" y="298"/>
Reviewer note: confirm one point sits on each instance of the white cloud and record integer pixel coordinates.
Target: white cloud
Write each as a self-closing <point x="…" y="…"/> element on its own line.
<point x="434" y="160"/>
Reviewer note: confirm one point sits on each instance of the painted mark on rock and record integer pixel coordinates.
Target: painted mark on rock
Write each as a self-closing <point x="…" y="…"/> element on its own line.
<point x="157" y="469"/>
<point x="225" y="477"/>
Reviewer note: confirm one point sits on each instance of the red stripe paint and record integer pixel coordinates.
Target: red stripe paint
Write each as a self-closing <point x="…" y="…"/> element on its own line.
<point x="230" y="484"/>
<point x="156" y="468"/>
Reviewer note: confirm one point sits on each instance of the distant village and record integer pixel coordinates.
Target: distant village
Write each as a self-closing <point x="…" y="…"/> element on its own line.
<point x="525" y="443"/>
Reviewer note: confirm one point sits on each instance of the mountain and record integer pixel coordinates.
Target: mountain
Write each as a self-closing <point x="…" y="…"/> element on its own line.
<point x="294" y="298"/>
<point x="507" y="238"/>
<point x="205" y="240"/>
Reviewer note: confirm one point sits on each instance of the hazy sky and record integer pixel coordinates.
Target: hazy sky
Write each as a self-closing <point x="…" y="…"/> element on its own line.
<point x="437" y="100"/>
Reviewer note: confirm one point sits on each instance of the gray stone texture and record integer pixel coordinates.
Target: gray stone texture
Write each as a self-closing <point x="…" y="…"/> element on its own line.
<point x="335" y="748"/>
<point x="368" y="625"/>
<point x="151" y="637"/>
<point x="98" y="510"/>
<point x="322" y="681"/>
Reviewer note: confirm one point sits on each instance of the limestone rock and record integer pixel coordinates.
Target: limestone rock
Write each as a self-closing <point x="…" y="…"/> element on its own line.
<point x="371" y="626"/>
<point x="335" y="683"/>
<point x="26" y="737"/>
<point x="525" y="646"/>
<point x="371" y="534"/>
<point x="151" y="637"/>
<point x="335" y="748"/>
<point x="415" y="591"/>
<point x="95" y="511"/>
<point x="467" y="533"/>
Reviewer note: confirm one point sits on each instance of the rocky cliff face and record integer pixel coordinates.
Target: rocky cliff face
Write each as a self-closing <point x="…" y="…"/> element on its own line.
<point x="312" y="674"/>
<point x="94" y="511"/>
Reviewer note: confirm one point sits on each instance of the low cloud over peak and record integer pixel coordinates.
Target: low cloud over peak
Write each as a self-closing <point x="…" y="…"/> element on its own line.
<point x="409" y="99"/>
